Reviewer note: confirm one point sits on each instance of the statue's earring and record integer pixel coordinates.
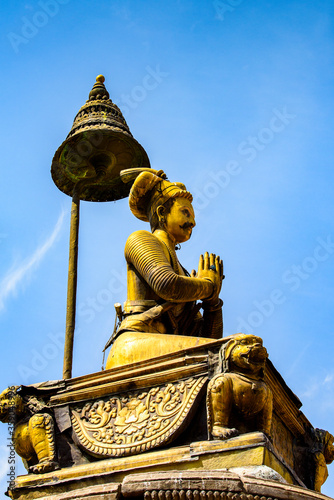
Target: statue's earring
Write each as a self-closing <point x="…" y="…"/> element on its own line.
<point x="161" y="216"/>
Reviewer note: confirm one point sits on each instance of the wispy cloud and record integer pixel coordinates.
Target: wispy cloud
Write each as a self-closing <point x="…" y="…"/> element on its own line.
<point x="298" y="358"/>
<point x="3" y="461"/>
<point x="320" y="384"/>
<point x="16" y="275"/>
<point x="312" y="389"/>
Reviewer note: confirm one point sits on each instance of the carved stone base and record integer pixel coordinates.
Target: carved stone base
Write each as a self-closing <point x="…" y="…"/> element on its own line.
<point x="210" y="485"/>
<point x="208" y="460"/>
<point x="152" y="417"/>
<point x="167" y="485"/>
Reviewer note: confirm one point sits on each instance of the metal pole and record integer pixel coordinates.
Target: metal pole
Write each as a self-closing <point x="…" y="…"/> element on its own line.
<point x="100" y="170"/>
<point x="71" y="285"/>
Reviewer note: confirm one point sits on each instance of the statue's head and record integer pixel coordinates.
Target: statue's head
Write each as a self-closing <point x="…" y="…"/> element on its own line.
<point x="245" y="353"/>
<point x="11" y="404"/>
<point x="166" y="205"/>
<point x="329" y="452"/>
<point x="325" y="444"/>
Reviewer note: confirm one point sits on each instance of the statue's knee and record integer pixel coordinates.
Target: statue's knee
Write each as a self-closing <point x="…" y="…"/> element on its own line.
<point x="218" y="385"/>
<point x="37" y="421"/>
<point x="40" y="420"/>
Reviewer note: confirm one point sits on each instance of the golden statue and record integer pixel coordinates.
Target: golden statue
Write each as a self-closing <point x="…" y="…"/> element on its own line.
<point x="143" y="429"/>
<point x="161" y="314"/>
<point x="238" y="399"/>
<point x="33" y="433"/>
<point x="323" y="455"/>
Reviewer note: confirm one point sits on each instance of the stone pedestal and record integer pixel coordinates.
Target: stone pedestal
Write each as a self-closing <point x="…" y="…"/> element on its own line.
<point x="170" y="483"/>
<point x="108" y="448"/>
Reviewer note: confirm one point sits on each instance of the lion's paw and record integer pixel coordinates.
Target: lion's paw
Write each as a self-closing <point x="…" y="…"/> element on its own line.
<point x="42" y="467"/>
<point x="223" y="432"/>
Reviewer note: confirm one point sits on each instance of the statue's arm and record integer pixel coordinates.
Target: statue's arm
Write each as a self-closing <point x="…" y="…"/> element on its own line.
<point x="213" y="316"/>
<point x="213" y="322"/>
<point x="144" y="251"/>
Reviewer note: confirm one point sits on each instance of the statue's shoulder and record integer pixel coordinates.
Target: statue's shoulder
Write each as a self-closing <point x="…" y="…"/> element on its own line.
<point x="140" y="235"/>
<point x="138" y="238"/>
<point x="143" y="243"/>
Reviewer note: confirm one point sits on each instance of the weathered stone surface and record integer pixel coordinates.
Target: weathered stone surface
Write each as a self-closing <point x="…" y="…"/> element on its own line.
<point x="101" y="492"/>
<point x="210" y="485"/>
<point x="259" y="471"/>
<point x="137" y="484"/>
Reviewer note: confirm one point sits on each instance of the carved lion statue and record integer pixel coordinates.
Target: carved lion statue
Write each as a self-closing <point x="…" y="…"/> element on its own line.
<point x="323" y="455"/>
<point x="32" y="434"/>
<point x="238" y="399"/>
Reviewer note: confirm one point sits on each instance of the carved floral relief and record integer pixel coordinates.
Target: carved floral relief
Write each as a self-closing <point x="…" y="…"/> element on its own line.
<point x="136" y="421"/>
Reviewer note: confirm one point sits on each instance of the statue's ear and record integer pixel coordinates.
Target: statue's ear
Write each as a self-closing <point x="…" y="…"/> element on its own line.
<point x="161" y="214"/>
<point x="160" y="211"/>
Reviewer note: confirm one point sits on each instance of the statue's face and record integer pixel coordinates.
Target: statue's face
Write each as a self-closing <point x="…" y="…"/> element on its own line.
<point x="329" y="452"/>
<point x="249" y="355"/>
<point x="180" y="220"/>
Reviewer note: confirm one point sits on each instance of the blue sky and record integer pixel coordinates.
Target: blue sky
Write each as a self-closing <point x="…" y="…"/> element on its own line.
<point x="233" y="98"/>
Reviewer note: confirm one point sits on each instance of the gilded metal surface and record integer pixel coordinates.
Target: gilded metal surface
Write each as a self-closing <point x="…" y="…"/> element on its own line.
<point x="33" y="434"/>
<point x="323" y="455"/>
<point x="71" y="288"/>
<point x="100" y="137"/>
<point x="156" y="187"/>
<point x="132" y="381"/>
<point x="134" y="347"/>
<point x="134" y="409"/>
<point x="161" y="295"/>
<point x="135" y="422"/>
<point x="282" y="439"/>
<point x="240" y="390"/>
<point x="87" y="166"/>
